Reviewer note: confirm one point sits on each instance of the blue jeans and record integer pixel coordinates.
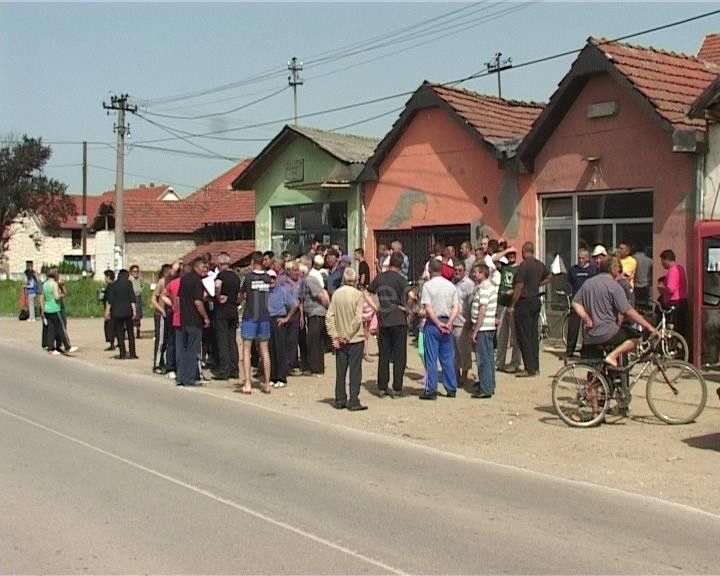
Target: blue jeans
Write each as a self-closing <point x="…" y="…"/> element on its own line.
<point x="188" y="346"/>
<point x="439" y="346"/>
<point x="486" y="361"/>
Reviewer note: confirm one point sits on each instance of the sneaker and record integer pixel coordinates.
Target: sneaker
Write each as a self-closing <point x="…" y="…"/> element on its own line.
<point x="171" y="375"/>
<point x="55" y="353"/>
<point x="73" y="349"/>
<point x="279" y="384"/>
<point x="426" y="396"/>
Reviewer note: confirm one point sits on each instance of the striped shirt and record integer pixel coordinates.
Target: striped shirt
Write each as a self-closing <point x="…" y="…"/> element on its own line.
<point x="485" y="295"/>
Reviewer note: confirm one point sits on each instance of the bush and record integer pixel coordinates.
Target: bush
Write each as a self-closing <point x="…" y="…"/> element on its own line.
<point x="81" y="300"/>
<point x="64" y="268"/>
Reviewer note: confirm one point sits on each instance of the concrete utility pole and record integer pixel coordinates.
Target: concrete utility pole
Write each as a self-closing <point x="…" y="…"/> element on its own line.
<point x="295" y="80"/>
<point x="120" y="104"/>
<point x="83" y="222"/>
<point x="497" y="65"/>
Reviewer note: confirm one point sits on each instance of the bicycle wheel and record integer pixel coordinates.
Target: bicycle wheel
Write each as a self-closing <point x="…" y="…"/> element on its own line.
<point x="674" y="346"/>
<point x="676" y="392"/>
<point x="573" y="389"/>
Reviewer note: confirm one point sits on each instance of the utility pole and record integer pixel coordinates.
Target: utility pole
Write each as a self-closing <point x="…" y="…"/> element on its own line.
<point x="84" y="209"/>
<point x="120" y="104"/>
<point x="295" y="80"/>
<point x="497" y="65"/>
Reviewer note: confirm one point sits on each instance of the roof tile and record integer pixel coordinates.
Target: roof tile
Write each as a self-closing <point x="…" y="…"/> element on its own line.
<point x="710" y="49"/>
<point x="670" y="81"/>
<point x="496" y="119"/>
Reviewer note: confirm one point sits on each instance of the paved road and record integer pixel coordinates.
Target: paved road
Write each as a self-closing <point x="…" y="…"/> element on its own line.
<point x="102" y="474"/>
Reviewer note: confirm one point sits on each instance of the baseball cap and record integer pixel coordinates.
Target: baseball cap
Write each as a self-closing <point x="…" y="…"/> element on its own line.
<point x="271" y="273"/>
<point x="504" y="260"/>
<point x="319" y="260"/>
<point x="599" y="250"/>
<point x="346" y="258"/>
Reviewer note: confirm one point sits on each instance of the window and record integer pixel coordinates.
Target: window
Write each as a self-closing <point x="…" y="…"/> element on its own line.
<point x="295" y="227"/>
<point x="76" y="238"/>
<point x="602" y="206"/>
<point x="557" y="207"/>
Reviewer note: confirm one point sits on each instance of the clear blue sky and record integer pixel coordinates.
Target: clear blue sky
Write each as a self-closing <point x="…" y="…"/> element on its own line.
<point x="60" y="61"/>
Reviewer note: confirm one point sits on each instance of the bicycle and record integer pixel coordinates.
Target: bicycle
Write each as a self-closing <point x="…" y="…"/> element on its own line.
<point x="587" y="392"/>
<point x="545" y="328"/>
<point x="672" y="344"/>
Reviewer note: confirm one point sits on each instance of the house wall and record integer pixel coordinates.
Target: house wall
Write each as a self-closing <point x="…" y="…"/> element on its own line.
<point x="151" y="251"/>
<point x="271" y="190"/>
<point x="633" y="152"/>
<point x="711" y="181"/>
<point x="438" y="175"/>
<point x="29" y="241"/>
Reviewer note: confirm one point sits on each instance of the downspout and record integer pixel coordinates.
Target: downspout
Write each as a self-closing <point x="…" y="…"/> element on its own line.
<point x="696" y="304"/>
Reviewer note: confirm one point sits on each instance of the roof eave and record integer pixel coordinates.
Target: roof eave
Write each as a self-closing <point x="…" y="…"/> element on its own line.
<point x="422" y="99"/>
<point x="591" y="62"/>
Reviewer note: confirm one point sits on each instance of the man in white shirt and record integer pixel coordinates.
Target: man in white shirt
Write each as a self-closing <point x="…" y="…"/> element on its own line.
<point x="440" y="302"/>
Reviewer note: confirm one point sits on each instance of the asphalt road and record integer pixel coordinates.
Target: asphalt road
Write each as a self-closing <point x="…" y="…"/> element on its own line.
<point x="105" y="474"/>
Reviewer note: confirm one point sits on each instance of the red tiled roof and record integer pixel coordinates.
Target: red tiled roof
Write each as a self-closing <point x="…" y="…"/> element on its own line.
<point x="158" y="216"/>
<point x="148" y="194"/>
<point x="671" y="82"/>
<point x="93" y="204"/>
<point x="224" y="181"/>
<point x="227" y="206"/>
<point x="496" y="119"/>
<point x="237" y="249"/>
<point x="710" y="49"/>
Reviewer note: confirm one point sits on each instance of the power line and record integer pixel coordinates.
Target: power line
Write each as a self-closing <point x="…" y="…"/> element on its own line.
<point x="185" y="139"/>
<point x="275" y="71"/>
<point x="146" y="177"/>
<point x="216" y="114"/>
<point x="364" y="120"/>
<point x="395" y="52"/>
<point x="181" y="152"/>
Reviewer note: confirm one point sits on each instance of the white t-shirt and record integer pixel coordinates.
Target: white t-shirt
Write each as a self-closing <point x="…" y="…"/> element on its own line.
<point x="441" y="295"/>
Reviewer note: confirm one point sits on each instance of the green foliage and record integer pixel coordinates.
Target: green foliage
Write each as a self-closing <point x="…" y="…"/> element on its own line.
<point x="64" y="268"/>
<point x="81" y="300"/>
<point x="24" y="187"/>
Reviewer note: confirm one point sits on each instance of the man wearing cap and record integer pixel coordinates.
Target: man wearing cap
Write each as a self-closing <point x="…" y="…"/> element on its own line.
<point x="344" y="326"/>
<point x="598" y="303"/>
<point x="282" y="306"/>
<point x="577" y="276"/>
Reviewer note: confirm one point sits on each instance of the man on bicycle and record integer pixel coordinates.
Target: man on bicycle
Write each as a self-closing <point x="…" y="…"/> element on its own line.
<point x="601" y="304"/>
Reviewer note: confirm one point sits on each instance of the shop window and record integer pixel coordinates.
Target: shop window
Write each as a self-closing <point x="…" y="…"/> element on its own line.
<point x="295" y="227"/>
<point x="590" y="235"/>
<point x="603" y="206"/>
<point x="557" y="207"/>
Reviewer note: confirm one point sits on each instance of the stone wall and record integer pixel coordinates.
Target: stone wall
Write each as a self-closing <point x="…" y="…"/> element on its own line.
<point x="151" y="251"/>
<point x="28" y="241"/>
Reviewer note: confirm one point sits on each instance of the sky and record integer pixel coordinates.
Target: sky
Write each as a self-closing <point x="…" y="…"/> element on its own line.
<point x="60" y="62"/>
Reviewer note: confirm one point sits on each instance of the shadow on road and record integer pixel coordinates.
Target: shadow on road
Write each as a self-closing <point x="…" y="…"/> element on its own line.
<point x="705" y="442"/>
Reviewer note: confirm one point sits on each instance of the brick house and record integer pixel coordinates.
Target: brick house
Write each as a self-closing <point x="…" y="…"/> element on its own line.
<point x="441" y="173"/>
<point x="615" y="157"/>
<point x="160" y="226"/>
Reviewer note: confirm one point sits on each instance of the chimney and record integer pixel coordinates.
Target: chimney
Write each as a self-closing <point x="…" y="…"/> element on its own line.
<point x="152" y="185"/>
<point x="710" y="49"/>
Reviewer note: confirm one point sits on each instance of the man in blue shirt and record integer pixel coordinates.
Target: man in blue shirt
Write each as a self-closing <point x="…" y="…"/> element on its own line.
<point x="577" y="276"/>
<point x="282" y="306"/>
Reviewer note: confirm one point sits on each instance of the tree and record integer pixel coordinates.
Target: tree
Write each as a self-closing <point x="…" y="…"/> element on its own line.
<point x="24" y="188"/>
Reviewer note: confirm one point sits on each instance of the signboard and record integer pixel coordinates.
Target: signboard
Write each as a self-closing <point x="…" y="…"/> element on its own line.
<point x="82" y="219"/>
<point x="295" y="170"/>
